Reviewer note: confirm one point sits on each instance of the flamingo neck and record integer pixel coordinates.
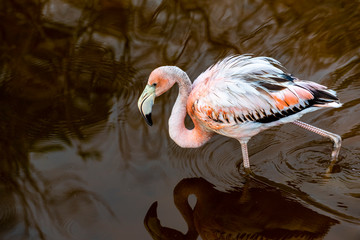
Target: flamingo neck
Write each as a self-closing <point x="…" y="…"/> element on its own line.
<point x="181" y="194"/>
<point x="204" y="192"/>
<point x="186" y="138"/>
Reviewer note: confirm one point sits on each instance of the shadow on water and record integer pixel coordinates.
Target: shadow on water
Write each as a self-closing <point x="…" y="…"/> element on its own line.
<point x="77" y="162"/>
<point x="256" y="211"/>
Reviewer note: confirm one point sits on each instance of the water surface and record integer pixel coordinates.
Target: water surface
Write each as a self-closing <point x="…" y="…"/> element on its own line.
<point x="79" y="162"/>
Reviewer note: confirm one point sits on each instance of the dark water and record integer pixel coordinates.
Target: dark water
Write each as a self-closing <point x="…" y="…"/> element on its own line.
<point x="77" y="161"/>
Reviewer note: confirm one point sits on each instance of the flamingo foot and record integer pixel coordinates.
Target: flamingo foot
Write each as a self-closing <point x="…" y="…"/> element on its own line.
<point x="334" y="137"/>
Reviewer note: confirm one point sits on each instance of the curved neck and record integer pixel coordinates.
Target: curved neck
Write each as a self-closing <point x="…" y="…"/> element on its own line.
<point x="204" y="193"/>
<point x="184" y="137"/>
<point x="181" y="194"/>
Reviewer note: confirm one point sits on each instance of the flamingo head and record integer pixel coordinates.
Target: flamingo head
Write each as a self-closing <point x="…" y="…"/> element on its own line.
<point x="160" y="80"/>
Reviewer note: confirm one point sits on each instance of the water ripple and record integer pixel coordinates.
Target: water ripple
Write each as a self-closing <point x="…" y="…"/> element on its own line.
<point x="218" y="167"/>
<point x="71" y="227"/>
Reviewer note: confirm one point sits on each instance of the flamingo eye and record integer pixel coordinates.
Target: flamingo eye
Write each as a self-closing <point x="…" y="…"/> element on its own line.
<point x="154" y="84"/>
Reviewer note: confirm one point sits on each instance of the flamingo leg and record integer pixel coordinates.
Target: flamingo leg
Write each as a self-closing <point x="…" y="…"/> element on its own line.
<point x="334" y="137"/>
<point x="245" y="153"/>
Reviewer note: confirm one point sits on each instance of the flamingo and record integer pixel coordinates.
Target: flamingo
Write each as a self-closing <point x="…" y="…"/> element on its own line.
<point x="238" y="97"/>
<point x="255" y="211"/>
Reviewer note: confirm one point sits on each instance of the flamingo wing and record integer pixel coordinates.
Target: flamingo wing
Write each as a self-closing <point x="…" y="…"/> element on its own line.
<point x="244" y="89"/>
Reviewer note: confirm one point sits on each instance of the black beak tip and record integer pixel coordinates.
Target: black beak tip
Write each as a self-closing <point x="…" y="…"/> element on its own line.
<point x="148" y="119"/>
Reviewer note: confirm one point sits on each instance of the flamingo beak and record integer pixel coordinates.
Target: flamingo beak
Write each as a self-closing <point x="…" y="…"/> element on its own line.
<point x="145" y="103"/>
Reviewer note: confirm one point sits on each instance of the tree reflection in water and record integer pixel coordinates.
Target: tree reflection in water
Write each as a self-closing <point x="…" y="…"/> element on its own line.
<point x="257" y="211"/>
<point x="56" y="82"/>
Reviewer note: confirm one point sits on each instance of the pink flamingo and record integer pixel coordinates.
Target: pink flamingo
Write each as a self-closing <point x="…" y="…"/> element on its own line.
<point x="237" y="97"/>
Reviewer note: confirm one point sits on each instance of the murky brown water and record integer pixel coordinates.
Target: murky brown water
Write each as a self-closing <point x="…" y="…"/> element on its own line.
<point x="77" y="161"/>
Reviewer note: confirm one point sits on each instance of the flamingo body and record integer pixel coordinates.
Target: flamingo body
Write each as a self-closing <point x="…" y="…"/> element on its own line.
<point x="237" y="97"/>
<point x="240" y="96"/>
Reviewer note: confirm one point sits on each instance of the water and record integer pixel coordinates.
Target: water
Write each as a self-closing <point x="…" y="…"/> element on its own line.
<point x="79" y="162"/>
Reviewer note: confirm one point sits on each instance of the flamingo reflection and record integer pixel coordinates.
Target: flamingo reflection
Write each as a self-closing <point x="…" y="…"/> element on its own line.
<point x="257" y="211"/>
